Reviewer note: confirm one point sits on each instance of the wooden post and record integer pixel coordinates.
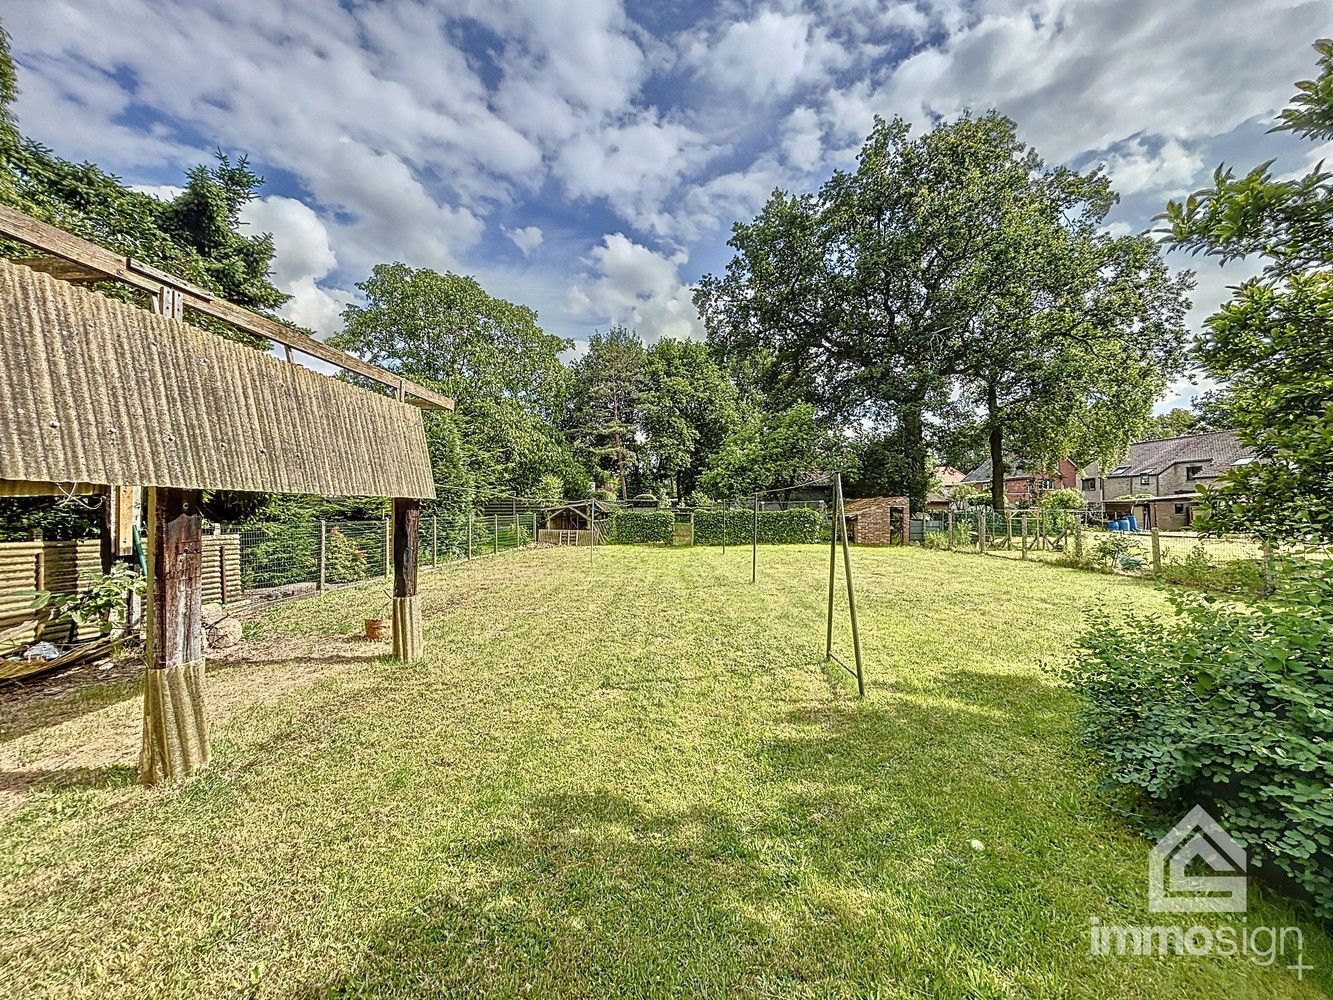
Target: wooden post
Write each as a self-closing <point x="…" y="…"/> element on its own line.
<point x="1009" y="532"/>
<point x="407" y="642"/>
<point x="434" y="540"/>
<point x="982" y="525"/>
<point x="950" y="529"/>
<point x="323" y="556"/>
<point x="1041" y="532"/>
<point x="495" y="534"/>
<point x="1024" y="543"/>
<point x="175" y="735"/>
<point x="1156" y="551"/>
<point x="388" y="548"/>
<point x="222" y="574"/>
<point x="1078" y="539"/>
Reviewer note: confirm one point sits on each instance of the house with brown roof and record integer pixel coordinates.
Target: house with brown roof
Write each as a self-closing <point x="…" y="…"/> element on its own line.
<point x="1159" y="481"/>
<point x="1024" y="483"/>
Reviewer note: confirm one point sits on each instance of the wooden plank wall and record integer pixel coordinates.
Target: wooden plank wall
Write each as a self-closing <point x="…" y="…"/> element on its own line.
<point x="62" y="563"/>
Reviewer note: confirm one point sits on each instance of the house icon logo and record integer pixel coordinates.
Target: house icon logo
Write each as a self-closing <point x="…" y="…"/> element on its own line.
<point x="1171" y="889"/>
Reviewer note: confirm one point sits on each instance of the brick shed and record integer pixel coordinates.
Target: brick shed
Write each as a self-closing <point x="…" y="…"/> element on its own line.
<point x="877" y="520"/>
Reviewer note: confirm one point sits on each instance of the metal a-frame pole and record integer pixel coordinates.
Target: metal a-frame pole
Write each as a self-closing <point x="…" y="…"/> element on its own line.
<point x="840" y="525"/>
<point x="754" y="543"/>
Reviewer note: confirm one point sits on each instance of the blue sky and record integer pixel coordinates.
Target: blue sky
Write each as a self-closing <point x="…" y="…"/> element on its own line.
<point x="587" y="157"/>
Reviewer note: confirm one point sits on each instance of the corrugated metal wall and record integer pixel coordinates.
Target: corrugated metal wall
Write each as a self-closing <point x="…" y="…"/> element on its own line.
<point x="62" y="563"/>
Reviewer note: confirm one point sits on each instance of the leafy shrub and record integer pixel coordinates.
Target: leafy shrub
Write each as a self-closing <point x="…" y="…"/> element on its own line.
<point x="799" y="525"/>
<point x="275" y="555"/>
<point x="1228" y="707"/>
<point x="1066" y="498"/>
<point x="100" y="599"/>
<point x="1237" y="576"/>
<point x="344" y="560"/>
<point x="633" y="527"/>
<point x="1116" y="551"/>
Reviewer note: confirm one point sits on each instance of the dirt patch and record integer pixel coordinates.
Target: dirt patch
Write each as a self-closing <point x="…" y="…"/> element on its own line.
<point x="86" y="723"/>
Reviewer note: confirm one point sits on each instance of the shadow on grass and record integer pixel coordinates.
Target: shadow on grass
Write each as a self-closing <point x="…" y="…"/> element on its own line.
<point x="55" y="779"/>
<point x="599" y="894"/>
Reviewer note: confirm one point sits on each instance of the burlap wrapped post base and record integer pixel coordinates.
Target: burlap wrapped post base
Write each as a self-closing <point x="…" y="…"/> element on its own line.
<point x="175" y="735"/>
<point x="407" y="641"/>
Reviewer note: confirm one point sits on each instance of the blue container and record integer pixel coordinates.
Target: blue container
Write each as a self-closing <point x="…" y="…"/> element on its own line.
<point x="1124" y="524"/>
<point x="1112" y="525"/>
<point x="1133" y="523"/>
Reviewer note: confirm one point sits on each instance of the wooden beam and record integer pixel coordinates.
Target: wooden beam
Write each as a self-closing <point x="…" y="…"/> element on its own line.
<point x="60" y="268"/>
<point x="98" y="263"/>
<point x="175" y="735"/>
<point x="407" y="642"/>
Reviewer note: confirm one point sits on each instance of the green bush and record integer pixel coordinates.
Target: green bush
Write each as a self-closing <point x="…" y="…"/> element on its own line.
<point x="344" y="560"/>
<point x="799" y="525"/>
<point x="1236" y="576"/>
<point x="1228" y="707"/>
<point x="633" y="527"/>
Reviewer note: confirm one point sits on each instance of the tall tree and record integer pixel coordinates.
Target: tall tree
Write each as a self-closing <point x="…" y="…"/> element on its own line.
<point x="776" y="451"/>
<point x="444" y="330"/>
<point x="687" y="410"/>
<point x="1272" y="344"/>
<point x="610" y="383"/>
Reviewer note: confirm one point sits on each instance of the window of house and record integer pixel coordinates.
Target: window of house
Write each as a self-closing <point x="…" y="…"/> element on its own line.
<point x="1090" y="484"/>
<point x="1180" y="508"/>
<point x="1122" y="470"/>
<point x="1045" y="484"/>
<point x="1193" y="471"/>
<point x="1245" y="460"/>
<point x="1145" y="479"/>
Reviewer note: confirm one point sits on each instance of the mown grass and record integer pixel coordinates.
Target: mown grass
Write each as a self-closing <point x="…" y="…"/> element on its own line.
<point x="628" y="773"/>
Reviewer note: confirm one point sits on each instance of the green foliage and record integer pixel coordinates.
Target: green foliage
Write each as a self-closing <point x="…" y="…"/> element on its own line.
<point x="1176" y="422"/>
<point x="1272" y="345"/>
<point x="277" y="555"/>
<point x="687" y="410"/>
<point x="635" y="527"/>
<point x="1228" y="707"/>
<point x="605" y="407"/>
<point x="1066" y="498"/>
<point x="799" y="525"/>
<point x="101" y="599"/>
<point x="58" y="519"/>
<point x="345" y="561"/>
<point x="445" y="331"/>
<point x="777" y="451"/>
<point x="1117" y="550"/>
<point x="1234" y="576"/>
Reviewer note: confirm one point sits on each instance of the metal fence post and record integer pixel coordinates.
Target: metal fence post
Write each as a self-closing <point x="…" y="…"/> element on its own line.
<point x="323" y="535"/>
<point x="1156" y="550"/>
<point x="495" y="534"/>
<point x="469" y="534"/>
<point x="754" y="543"/>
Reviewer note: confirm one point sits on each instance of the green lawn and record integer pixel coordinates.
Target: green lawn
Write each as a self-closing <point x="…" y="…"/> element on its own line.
<point x="621" y="772"/>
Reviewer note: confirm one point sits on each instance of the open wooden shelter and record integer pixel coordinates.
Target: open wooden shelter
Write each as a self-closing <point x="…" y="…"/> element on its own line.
<point x="96" y="393"/>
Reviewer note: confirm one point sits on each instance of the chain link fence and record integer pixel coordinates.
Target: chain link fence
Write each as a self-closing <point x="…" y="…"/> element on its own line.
<point x="294" y="559"/>
<point x="1229" y="563"/>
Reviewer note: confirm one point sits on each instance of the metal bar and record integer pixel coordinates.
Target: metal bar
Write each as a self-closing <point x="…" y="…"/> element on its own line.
<point x="434" y="540"/>
<point x="495" y="534"/>
<point x="754" y="543"/>
<point x="842" y="663"/>
<point x="832" y="570"/>
<point x="469" y="534"/>
<point x="851" y="590"/>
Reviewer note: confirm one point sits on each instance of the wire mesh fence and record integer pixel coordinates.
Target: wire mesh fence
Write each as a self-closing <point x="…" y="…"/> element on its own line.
<point x="1228" y="563"/>
<point x="288" y="559"/>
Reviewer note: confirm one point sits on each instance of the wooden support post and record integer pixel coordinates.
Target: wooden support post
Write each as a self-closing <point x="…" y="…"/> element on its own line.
<point x="175" y="735"/>
<point x="434" y="541"/>
<point x="1009" y="532"/>
<point x="495" y="534"/>
<point x="981" y="531"/>
<point x="1041" y="532"/>
<point x="1024" y="543"/>
<point x="950" y="529"/>
<point x="407" y="642"/>
<point x="1156" y="551"/>
<point x="1078" y="540"/>
<point x="323" y="555"/>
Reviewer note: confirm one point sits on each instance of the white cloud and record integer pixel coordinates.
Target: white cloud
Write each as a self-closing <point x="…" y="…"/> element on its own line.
<point x="1139" y="168"/>
<point x="801" y="142"/>
<point x="766" y="57"/>
<point x="631" y="284"/>
<point x="301" y="241"/>
<point x="526" y="238"/>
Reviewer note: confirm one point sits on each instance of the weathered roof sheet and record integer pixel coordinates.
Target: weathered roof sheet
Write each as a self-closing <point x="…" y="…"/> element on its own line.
<point x="1215" y="451"/>
<point x="98" y="391"/>
<point x="866" y="504"/>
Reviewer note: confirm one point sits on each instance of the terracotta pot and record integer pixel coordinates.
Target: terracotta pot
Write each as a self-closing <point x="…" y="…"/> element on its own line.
<point x="377" y="629"/>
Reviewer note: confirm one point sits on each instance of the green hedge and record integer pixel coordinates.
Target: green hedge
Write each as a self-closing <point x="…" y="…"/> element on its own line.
<point x="736" y="527"/>
<point x="632" y="527"/>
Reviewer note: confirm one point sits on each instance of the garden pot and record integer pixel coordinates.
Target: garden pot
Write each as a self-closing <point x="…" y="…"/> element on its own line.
<point x="377" y="629"/>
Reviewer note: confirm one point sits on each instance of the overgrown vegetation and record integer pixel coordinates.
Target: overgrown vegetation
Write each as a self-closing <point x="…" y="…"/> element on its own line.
<point x="1228" y="706"/>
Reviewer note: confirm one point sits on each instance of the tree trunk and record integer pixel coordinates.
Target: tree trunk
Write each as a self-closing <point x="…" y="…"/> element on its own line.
<point x="997" y="495"/>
